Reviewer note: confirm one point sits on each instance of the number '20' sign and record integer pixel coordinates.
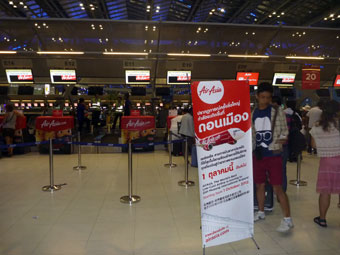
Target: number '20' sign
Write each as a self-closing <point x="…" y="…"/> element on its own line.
<point x="311" y="78"/>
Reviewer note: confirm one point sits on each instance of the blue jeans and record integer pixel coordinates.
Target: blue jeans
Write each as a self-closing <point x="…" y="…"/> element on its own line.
<point x="285" y="155"/>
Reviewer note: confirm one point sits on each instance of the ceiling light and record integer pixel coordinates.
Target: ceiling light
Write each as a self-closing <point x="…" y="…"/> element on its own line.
<point x="282" y="13"/>
<point x="81" y="4"/>
<point x="125" y="53"/>
<point x="332" y="15"/>
<point x="158" y="7"/>
<point x="247" y="56"/>
<point x="301" y="57"/>
<point x="92" y="8"/>
<point x="60" y="52"/>
<point x="222" y="10"/>
<point x="25" y="6"/>
<point x="188" y="55"/>
<point x="157" y="10"/>
<point x="269" y="15"/>
<point x="21" y="3"/>
<point x="14" y="6"/>
<point x="11" y="2"/>
<point x="274" y="13"/>
<point x="7" y="52"/>
<point x="91" y="5"/>
<point x="148" y="7"/>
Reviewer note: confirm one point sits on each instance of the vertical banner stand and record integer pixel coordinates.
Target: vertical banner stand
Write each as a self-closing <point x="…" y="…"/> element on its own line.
<point x="170" y="164"/>
<point x="298" y="181"/>
<point x="79" y="167"/>
<point x="52" y="187"/>
<point x="186" y="183"/>
<point x="204" y="250"/>
<point x="130" y="199"/>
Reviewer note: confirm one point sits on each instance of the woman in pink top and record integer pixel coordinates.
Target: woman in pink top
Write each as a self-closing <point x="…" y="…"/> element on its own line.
<point x="326" y="139"/>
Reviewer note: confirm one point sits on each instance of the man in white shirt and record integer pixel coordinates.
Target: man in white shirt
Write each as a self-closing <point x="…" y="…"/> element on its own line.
<point x="314" y="116"/>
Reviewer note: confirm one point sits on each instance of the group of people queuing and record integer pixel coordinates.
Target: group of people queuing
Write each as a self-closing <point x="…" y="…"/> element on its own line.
<point x="120" y="109"/>
<point x="278" y="136"/>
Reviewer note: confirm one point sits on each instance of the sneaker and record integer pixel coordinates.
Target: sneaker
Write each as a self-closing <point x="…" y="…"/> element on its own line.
<point x="285" y="226"/>
<point x="259" y="216"/>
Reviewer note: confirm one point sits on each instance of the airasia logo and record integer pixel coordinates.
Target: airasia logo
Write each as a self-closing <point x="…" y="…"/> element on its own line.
<point x="137" y="124"/>
<point x="210" y="92"/>
<point x="25" y="77"/>
<point x="52" y="123"/>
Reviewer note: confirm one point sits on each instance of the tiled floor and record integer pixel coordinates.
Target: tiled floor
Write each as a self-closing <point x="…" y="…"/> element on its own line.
<point x="86" y="216"/>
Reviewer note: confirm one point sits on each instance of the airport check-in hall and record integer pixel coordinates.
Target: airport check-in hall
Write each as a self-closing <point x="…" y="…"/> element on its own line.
<point x="169" y="127"/>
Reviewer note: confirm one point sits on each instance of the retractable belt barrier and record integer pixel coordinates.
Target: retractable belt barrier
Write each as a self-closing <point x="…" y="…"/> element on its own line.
<point x="130" y="198"/>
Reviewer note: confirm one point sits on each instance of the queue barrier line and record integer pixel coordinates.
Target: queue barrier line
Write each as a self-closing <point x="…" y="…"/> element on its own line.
<point x="63" y="141"/>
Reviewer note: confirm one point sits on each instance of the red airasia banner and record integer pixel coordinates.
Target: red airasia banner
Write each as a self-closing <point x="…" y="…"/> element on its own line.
<point x="53" y="123"/>
<point x="219" y="116"/>
<point x="311" y="78"/>
<point x="224" y="153"/>
<point x="135" y="112"/>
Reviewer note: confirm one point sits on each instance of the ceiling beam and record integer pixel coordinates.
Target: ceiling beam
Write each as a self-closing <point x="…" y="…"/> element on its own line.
<point x="194" y="10"/>
<point x="10" y="10"/>
<point x="104" y="9"/>
<point x="332" y="9"/>
<point x="239" y="11"/>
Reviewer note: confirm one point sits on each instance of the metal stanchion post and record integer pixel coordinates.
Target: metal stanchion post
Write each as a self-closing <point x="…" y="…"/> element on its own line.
<point x="52" y="187"/>
<point x="79" y="166"/>
<point x="186" y="183"/>
<point x="130" y="199"/>
<point x="298" y="181"/>
<point x="170" y="164"/>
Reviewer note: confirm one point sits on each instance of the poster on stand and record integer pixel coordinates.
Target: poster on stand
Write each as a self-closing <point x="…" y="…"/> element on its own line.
<point x="222" y="121"/>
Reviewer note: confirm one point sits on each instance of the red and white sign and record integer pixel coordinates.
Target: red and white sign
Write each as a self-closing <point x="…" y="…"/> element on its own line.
<point x="252" y="78"/>
<point x="53" y="123"/>
<point x="19" y="75"/>
<point x="222" y="121"/>
<point x="63" y="76"/>
<point x="337" y="81"/>
<point x="178" y="77"/>
<point x="284" y="79"/>
<point x="135" y="112"/>
<point x="138" y="123"/>
<point x="311" y="78"/>
<point x="137" y="76"/>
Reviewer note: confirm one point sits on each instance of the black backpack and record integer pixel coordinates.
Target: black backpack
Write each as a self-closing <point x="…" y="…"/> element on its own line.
<point x="296" y="140"/>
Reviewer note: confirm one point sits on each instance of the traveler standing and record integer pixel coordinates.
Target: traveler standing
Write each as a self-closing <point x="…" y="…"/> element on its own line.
<point x="269" y="133"/>
<point x="8" y="126"/>
<point x="326" y="139"/>
<point x="81" y="114"/>
<point x="127" y="105"/>
<point x="314" y="116"/>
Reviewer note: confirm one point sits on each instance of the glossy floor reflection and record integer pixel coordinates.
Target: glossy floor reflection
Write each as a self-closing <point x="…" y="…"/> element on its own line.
<point x="86" y="216"/>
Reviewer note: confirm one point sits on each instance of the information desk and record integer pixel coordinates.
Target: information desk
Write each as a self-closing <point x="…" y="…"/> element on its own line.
<point x="138" y="129"/>
<point x="48" y="127"/>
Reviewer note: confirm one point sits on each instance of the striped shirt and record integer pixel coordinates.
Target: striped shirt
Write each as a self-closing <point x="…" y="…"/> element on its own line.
<point x="327" y="142"/>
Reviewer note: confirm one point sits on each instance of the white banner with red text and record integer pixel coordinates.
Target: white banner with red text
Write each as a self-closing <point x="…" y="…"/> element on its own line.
<point x="224" y="149"/>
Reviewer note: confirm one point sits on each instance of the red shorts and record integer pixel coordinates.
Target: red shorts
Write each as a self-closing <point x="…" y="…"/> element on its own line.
<point x="268" y="166"/>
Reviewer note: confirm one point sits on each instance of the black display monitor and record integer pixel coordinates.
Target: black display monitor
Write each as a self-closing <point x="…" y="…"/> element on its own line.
<point x="323" y="93"/>
<point x="3" y="90"/>
<point x="163" y="91"/>
<point x="138" y="91"/>
<point x="287" y="92"/>
<point x="95" y="90"/>
<point x="25" y="90"/>
<point x="74" y="91"/>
